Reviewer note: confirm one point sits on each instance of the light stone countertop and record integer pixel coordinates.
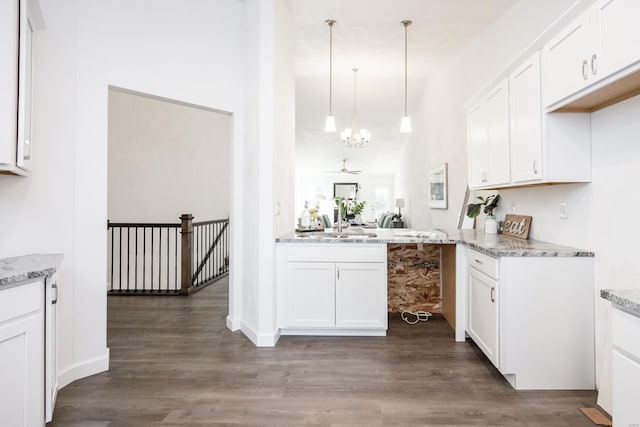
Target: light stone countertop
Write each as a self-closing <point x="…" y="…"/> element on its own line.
<point x="629" y="299"/>
<point x="15" y="270"/>
<point x="495" y="245"/>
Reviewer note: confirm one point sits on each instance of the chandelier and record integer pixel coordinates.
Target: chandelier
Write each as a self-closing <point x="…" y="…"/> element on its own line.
<point x="351" y="137"/>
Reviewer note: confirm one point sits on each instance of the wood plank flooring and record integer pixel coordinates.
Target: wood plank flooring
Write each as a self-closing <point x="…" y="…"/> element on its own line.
<point x="174" y="363"/>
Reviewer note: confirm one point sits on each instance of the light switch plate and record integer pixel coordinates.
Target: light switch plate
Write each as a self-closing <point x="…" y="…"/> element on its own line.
<point x="564" y="213"/>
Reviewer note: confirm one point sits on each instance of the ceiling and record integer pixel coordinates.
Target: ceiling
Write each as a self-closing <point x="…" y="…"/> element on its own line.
<point x="368" y="35"/>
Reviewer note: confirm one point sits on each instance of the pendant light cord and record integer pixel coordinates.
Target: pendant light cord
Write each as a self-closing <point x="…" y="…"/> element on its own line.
<point x="355" y="113"/>
<point x="406" y="23"/>
<point x="330" y="22"/>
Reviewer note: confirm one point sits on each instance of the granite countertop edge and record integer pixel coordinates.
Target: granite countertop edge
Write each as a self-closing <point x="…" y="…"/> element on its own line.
<point x="15" y="270"/>
<point x="629" y="299"/>
<point x="495" y="245"/>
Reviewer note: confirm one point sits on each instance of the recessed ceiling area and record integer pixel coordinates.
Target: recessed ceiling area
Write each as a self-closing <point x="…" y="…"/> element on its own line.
<point x="368" y="35"/>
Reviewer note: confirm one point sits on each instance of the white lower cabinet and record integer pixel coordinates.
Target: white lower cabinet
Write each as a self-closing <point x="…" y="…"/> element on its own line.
<point x="361" y="295"/>
<point x="625" y="367"/>
<point x="533" y="318"/>
<point x="22" y="355"/>
<point x="483" y="314"/>
<point x="335" y="289"/>
<point x="310" y="293"/>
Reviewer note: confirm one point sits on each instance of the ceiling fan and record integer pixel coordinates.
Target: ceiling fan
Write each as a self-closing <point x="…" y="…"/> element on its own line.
<point x="345" y="170"/>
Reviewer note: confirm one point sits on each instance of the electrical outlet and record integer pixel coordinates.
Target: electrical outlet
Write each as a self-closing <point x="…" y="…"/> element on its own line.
<point x="564" y="213"/>
<point x="277" y="208"/>
<point x="513" y="207"/>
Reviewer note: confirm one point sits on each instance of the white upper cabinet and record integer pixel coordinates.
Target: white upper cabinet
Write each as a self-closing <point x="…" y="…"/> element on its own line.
<point x="569" y="56"/>
<point x="616" y="24"/>
<point x="526" y="121"/>
<point x="595" y="61"/>
<point x="488" y="139"/>
<point x="512" y="142"/>
<point x="17" y="27"/>
<point x="9" y="42"/>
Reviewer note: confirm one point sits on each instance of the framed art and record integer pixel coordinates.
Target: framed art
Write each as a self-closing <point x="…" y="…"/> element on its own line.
<point x="438" y="198"/>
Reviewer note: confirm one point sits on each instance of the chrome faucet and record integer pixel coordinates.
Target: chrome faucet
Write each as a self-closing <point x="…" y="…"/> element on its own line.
<point x="339" y="223"/>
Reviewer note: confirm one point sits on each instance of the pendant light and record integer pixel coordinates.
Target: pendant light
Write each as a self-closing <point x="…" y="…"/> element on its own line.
<point x="330" y="124"/>
<point x="351" y="137"/>
<point x="405" y="124"/>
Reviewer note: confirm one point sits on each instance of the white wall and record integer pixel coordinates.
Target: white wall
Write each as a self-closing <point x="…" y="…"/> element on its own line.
<point x="194" y="51"/>
<point x="166" y="159"/>
<point x="594" y="208"/>
<point x="36" y="213"/>
<point x="267" y="163"/>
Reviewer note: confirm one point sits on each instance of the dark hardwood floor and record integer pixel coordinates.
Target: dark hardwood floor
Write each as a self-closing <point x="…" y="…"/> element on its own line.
<point x="173" y="362"/>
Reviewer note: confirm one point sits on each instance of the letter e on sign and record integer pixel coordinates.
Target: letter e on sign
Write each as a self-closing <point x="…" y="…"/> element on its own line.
<point x="517" y="226"/>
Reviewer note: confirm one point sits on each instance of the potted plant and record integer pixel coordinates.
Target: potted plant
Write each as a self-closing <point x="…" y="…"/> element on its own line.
<point x="357" y="208"/>
<point x="487" y="206"/>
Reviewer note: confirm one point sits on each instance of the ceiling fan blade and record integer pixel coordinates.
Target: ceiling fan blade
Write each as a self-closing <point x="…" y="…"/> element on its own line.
<point x="354" y="172"/>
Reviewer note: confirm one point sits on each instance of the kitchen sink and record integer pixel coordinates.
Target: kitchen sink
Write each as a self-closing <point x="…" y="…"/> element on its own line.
<point x="336" y="235"/>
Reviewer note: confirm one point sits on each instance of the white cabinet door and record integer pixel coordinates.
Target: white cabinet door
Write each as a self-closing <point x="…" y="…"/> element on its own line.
<point x="498" y="154"/>
<point x="568" y="60"/>
<point x="477" y="140"/>
<point x="626" y="377"/>
<point x="22" y="355"/>
<point x="483" y="314"/>
<point x="488" y="139"/>
<point x="9" y="40"/>
<point x="526" y="121"/>
<point x="310" y="294"/>
<point x="361" y="295"/>
<point x="51" y="366"/>
<point x="616" y="23"/>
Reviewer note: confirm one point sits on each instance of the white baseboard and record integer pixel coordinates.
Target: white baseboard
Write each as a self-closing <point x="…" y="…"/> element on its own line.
<point x="233" y="325"/>
<point x="83" y="369"/>
<point x="261" y="339"/>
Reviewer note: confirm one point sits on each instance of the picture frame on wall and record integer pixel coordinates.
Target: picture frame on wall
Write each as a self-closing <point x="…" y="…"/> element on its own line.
<point x="437" y="187"/>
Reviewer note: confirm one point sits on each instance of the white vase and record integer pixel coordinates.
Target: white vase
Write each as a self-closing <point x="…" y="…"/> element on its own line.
<point x="358" y="219"/>
<point x="490" y="225"/>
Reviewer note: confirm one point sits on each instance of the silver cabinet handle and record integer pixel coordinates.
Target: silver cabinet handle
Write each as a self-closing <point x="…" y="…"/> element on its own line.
<point x="478" y="261"/>
<point x="594" y="64"/>
<point x="535" y="166"/>
<point x="493" y="294"/>
<point x="55" y="288"/>
<point x="584" y="69"/>
<point x="338" y="271"/>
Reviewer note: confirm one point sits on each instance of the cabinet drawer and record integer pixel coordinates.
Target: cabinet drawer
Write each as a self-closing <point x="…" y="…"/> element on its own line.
<point x="21" y="300"/>
<point x="625" y="331"/>
<point x="337" y="252"/>
<point x="484" y="263"/>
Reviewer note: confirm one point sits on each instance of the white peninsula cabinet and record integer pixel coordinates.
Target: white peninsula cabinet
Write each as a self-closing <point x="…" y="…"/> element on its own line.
<point x="332" y="289"/>
<point x="533" y="318"/>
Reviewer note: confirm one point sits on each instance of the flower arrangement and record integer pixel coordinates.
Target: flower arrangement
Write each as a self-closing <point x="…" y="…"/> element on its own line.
<point x="357" y="207"/>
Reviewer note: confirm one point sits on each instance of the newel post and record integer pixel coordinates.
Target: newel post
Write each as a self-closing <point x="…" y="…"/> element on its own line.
<point x="186" y="253"/>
